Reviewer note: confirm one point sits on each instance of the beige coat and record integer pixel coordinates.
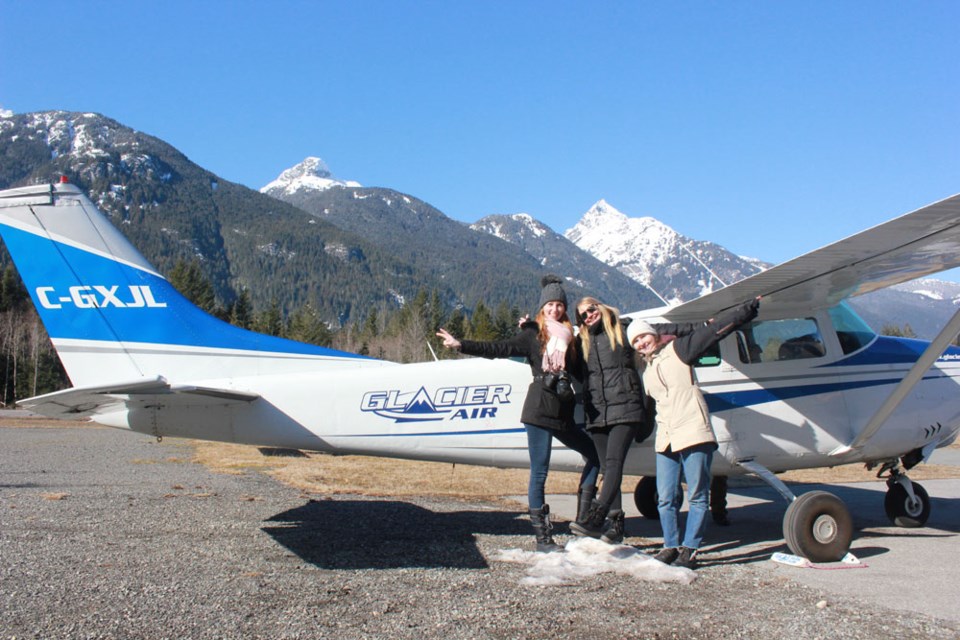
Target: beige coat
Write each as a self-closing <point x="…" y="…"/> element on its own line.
<point x="682" y="417"/>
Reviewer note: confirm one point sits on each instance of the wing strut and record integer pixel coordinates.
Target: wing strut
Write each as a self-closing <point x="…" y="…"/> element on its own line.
<point x="926" y="360"/>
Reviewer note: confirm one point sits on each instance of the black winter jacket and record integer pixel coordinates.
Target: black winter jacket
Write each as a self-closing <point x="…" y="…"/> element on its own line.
<point x="542" y="406"/>
<point x="612" y="393"/>
<point x="612" y="389"/>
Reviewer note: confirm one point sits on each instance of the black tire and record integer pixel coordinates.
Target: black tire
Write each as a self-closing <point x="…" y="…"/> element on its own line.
<point x="818" y="527"/>
<point x="904" y="512"/>
<point x="645" y="496"/>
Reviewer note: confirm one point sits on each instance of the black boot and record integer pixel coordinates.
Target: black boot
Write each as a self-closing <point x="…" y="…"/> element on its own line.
<point x="613" y="528"/>
<point x="592" y="525"/>
<point x="687" y="558"/>
<point x="585" y="496"/>
<point x="718" y="500"/>
<point x="540" y="518"/>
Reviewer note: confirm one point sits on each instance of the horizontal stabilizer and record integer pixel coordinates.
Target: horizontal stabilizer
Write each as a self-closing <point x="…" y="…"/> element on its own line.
<point x="83" y="402"/>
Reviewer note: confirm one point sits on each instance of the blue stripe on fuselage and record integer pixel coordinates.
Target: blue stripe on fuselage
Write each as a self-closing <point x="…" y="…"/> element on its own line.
<point x="885" y="350"/>
<point x="891" y="350"/>
<point x="726" y="400"/>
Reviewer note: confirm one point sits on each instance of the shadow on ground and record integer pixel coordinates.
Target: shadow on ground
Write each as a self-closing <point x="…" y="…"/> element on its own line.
<point x="386" y="534"/>
<point x="389" y="534"/>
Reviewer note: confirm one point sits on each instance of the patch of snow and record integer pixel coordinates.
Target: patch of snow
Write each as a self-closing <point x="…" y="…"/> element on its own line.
<point x="586" y="558"/>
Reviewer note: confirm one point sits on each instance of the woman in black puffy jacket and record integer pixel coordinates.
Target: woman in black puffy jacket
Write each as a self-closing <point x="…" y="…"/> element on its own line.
<point x="547" y="344"/>
<point x="613" y="403"/>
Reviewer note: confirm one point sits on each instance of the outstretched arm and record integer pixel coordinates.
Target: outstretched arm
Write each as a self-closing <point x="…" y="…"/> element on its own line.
<point x="691" y="346"/>
<point x="448" y="340"/>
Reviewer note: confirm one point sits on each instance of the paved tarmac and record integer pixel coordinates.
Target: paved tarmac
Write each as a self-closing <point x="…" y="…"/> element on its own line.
<point x="911" y="570"/>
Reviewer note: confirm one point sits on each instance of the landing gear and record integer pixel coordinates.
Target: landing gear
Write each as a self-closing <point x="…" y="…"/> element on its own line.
<point x="818" y="526"/>
<point x="906" y="503"/>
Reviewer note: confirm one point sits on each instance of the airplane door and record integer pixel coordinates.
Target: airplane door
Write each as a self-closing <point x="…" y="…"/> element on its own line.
<point x="771" y="396"/>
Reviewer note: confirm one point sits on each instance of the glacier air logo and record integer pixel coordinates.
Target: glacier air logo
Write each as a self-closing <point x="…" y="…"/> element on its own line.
<point x="473" y="402"/>
<point x="99" y="297"/>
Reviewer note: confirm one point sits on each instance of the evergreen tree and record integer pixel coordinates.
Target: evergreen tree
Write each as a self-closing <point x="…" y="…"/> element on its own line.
<point x="13" y="294"/>
<point x="371" y="327"/>
<point x="189" y="280"/>
<point x="241" y="312"/>
<point x="456" y="324"/>
<point x="306" y="326"/>
<point x="436" y="311"/>
<point x="505" y="320"/>
<point x="270" y="321"/>
<point x="482" y="326"/>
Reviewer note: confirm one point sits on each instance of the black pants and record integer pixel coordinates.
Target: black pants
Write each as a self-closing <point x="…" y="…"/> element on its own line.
<point x="613" y="443"/>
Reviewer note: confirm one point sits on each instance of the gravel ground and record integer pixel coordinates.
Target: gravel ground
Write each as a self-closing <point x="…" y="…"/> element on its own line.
<point x="105" y="534"/>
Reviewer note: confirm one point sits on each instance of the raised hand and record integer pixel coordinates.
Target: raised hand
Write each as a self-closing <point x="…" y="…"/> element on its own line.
<point x="448" y="340"/>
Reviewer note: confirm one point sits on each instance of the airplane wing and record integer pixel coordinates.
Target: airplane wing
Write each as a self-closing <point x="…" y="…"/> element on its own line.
<point x="912" y="246"/>
<point x="83" y="402"/>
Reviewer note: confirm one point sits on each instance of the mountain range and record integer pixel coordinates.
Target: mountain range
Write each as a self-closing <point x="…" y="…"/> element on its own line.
<point x="609" y="246"/>
<point x="347" y="249"/>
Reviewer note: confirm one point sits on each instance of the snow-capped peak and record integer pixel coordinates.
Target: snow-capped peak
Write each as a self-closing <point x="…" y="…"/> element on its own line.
<point x="512" y="226"/>
<point x="310" y="175"/>
<point x="535" y="227"/>
<point x="603" y="211"/>
<point x="653" y="254"/>
<point x="606" y="232"/>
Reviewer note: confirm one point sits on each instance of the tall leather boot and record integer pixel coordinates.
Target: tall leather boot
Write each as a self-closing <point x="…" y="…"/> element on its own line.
<point x="584" y="497"/>
<point x="592" y="525"/>
<point x="613" y="528"/>
<point x="540" y="519"/>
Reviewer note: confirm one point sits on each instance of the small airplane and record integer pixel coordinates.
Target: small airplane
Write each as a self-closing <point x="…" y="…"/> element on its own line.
<point x="805" y="385"/>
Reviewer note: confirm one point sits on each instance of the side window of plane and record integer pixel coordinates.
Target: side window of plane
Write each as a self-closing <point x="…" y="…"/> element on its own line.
<point x="778" y="340"/>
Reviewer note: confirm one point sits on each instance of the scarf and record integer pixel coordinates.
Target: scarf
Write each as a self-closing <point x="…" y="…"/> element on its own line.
<point x="555" y="355"/>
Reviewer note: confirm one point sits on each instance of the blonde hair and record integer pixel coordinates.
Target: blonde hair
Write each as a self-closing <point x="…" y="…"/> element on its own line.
<point x="609" y="316"/>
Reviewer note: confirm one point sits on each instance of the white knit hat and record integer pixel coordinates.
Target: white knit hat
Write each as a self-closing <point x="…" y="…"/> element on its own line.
<point x="637" y="328"/>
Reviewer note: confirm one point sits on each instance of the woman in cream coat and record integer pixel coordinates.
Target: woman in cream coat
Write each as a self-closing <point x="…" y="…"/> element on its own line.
<point x="684" y="440"/>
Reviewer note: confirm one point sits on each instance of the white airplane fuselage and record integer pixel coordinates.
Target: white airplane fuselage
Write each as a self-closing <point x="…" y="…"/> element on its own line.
<point x="788" y="414"/>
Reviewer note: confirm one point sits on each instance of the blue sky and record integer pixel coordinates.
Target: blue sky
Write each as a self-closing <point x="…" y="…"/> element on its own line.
<point x="732" y="122"/>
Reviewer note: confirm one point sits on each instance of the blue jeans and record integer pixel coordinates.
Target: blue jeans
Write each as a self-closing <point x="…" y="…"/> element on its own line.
<point x="695" y="463"/>
<point x="539" y="446"/>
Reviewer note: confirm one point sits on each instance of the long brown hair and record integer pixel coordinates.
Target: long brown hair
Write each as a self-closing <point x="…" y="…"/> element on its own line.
<point x="610" y="316"/>
<point x="544" y="336"/>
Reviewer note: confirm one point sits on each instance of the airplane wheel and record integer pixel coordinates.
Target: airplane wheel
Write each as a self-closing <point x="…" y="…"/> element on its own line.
<point x="645" y="497"/>
<point x="818" y="527"/>
<point x="903" y="511"/>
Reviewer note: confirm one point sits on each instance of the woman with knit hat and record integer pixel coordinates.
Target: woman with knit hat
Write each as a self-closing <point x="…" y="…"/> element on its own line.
<point x="546" y="343"/>
<point x="685" y="441"/>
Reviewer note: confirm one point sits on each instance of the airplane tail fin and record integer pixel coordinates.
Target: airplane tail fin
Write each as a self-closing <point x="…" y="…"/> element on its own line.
<point x="112" y="316"/>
